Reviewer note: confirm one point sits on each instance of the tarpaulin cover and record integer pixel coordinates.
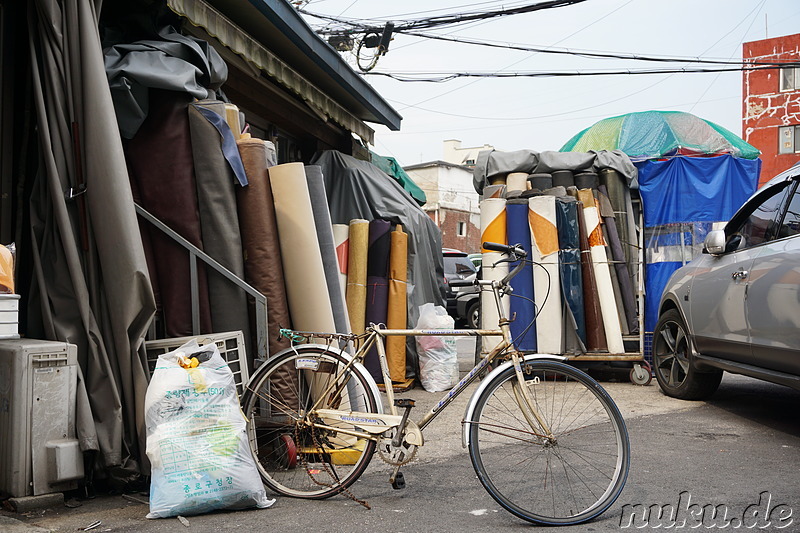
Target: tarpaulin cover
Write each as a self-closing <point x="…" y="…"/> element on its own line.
<point x="686" y="190"/>
<point x="492" y="163"/>
<point x="358" y="189"/>
<point x="394" y="170"/>
<point x="650" y="134"/>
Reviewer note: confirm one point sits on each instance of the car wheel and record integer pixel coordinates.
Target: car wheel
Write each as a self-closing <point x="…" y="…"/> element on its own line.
<point x="474" y="314"/>
<point x="672" y="360"/>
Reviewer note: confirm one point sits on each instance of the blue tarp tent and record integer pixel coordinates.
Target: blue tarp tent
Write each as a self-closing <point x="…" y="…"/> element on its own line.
<point x="681" y="198"/>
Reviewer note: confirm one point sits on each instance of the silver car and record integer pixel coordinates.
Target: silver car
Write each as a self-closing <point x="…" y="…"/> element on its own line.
<point x="736" y="308"/>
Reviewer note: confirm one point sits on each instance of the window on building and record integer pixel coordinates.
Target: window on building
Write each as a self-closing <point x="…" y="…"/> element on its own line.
<point x="789" y="139"/>
<point x="790" y="78"/>
<point x="469" y="162"/>
<point x="461" y="229"/>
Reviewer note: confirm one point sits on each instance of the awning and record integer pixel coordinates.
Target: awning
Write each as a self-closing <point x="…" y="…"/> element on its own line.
<point x="199" y="13"/>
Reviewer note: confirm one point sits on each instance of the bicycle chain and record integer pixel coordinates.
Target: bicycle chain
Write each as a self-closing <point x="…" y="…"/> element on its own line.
<point x="342" y="490"/>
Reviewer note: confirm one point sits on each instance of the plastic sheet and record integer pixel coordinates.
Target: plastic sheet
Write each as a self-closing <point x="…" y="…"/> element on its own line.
<point x="197" y="439"/>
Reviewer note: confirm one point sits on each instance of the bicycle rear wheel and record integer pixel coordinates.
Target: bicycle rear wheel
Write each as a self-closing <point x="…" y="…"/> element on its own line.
<point x="295" y="456"/>
<point x="568" y="479"/>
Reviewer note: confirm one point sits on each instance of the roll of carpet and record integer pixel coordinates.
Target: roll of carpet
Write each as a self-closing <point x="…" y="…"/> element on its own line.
<point x="540" y="181"/>
<point x="546" y="277"/>
<point x="397" y="317"/>
<point x="605" y="291"/>
<point x="586" y="180"/>
<point x="569" y="254"/>
<point x="378" y="250"/>
<point x="219" y="224"/>
<point x="341" y="239"/>
<point x="522" y="307"/>
<point x="516" y="181"/>
<point x="493" y="229"/>
<point x="306" y="288"/>
<point x="494" y="191"/>
<point x="563" y="178"/>
<point x="327" y="245"/>
<point x="357" y="274"/>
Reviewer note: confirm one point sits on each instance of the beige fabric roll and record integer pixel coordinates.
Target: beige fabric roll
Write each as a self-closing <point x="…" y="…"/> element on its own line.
<point x="306" y="289"/>
<point x="493" y="229"/>
<point x="397" y="317"/>
<point x="517" y="181"/>
<point x="234" y="120"/>
<point x="357" y="274"/>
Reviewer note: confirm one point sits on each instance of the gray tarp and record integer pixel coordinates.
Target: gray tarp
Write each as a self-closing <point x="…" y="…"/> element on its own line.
<point x="93" y="292"/>
<point x="492" y="163"/>
<point x="358" y="189"/>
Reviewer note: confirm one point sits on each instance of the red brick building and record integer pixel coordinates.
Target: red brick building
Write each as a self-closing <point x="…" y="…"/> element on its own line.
<point x="771" y="105"/>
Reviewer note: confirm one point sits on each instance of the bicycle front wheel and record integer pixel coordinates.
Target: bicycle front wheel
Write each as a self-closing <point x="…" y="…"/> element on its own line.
<point x="298" y="453"/>
<point x="567" y="472"/>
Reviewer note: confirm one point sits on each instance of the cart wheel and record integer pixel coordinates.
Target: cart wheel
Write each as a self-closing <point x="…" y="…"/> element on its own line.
<point x="291" y="450"/>
<point x="641" y="373"/>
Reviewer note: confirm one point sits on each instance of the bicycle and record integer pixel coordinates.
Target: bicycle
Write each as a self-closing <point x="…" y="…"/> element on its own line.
<point x="545" y="439"/>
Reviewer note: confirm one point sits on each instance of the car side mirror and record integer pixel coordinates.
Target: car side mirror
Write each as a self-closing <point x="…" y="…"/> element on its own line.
<point x="715" y="242"/>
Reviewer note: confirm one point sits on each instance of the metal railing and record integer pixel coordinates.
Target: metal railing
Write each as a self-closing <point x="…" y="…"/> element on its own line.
<point x="195" y="253"/>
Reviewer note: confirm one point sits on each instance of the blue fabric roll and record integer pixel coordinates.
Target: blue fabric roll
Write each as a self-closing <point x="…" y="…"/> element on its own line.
<point x="569" y="256"/>
<point x="523" y="310"/>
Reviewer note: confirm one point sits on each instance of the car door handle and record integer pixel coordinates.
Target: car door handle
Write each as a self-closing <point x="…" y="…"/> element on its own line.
<point x="740" y="274"/>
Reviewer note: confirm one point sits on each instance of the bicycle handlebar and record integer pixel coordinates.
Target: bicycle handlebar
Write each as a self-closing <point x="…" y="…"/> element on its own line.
<point x="512" y="250"/>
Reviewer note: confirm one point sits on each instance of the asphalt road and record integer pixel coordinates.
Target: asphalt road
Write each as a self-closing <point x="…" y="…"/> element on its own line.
<point x="741" y="450"/>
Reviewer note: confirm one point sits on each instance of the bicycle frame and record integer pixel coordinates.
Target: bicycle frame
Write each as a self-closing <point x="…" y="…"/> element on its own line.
<point x="374" y="424"/>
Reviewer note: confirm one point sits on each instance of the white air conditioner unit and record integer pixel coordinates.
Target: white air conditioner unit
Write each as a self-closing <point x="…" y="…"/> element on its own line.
<point x="39" y="453"/>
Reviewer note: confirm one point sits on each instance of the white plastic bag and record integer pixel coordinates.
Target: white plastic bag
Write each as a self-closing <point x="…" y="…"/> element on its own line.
<point x="197" y="438"/>
<point x="438" y="357"/>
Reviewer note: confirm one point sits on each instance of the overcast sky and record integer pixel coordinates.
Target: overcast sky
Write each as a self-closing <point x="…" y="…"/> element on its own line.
<point x="543" y="113"/>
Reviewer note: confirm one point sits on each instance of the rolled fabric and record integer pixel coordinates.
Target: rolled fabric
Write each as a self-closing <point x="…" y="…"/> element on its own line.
<point x="218" y="219"/>
<point x="306" y="288"/>
<point x="605" y="292"/>
<point x="357" y="274"/>
<point x="618" y="257"/>
<point x="493" y="229"/>
<point x="595" y="331"/>
<point x="618" y="194"/>
<point x="161" y="171"/>
<point x="546" y="278"/>
<point x="494" y="191"/>
<point x="521" y="302"/>
<point x="233" y="118"/>
<point x="377" y="286"/>
<point x="570" y="262"/>
<point x="516" y="181"/>
<point x="563" y="178"/>
<point x="397" y="316"/>
<point x="586" y="180"/>
<point x="540" y="181"/>
<point x="327" y="246"/>
<point x="341" y="239"/>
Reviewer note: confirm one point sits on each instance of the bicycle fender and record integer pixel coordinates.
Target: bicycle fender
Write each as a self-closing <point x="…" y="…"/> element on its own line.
<point x="473" y="400"/>
<point x="357" y="367"/>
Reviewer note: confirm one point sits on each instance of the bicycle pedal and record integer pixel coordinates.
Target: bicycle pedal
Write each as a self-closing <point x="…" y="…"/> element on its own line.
<point x="399" y="481"/>
<point x="404" y="402"/>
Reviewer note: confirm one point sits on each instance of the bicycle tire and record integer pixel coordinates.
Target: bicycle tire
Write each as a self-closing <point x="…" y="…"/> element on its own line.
<point x="567" y="481"/>
<point x="318" y="463"/>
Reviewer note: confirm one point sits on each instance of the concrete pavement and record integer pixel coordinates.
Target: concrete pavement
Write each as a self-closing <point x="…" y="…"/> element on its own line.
<point x="740" y="450"/>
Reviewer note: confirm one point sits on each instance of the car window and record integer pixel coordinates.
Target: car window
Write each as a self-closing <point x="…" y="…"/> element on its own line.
<point x="458" y="265"/>
<point x="761" y="224"/>
<point x="790" y="225"/>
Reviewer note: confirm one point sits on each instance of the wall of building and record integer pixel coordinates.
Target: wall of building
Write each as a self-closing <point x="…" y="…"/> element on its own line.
<point x="452" y="152"/>
<point x="765" y="107"/>
<point x="449" y="220"/>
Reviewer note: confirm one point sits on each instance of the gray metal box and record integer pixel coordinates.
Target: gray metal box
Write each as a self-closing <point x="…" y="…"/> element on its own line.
<point x="38" y="449"/>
